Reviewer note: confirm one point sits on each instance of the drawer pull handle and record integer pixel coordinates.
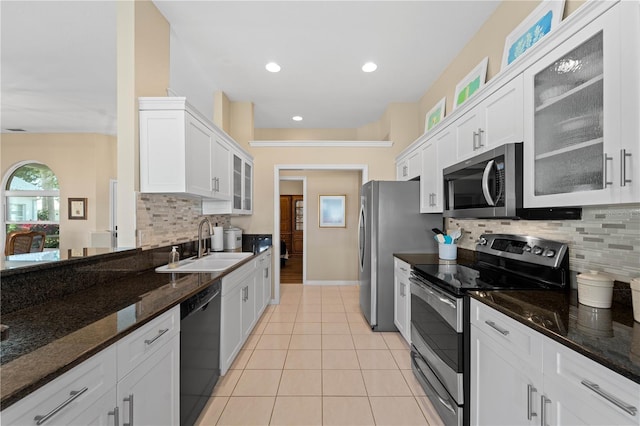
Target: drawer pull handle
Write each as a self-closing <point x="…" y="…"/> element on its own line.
<point x="623" y="167"/>
<point x="114" y="413"/>
<point x="160" y="333"/>
<point x="612" y="399"/>
<point x="498" y="329"/>
<point x="128" y="399"/>
<point x="530" y="391"/>
<point x="543" y="410"/>
<point x="73" y="395"/>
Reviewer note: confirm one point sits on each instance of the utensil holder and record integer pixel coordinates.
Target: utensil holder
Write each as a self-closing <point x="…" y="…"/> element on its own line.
<point x="448" y="251"/>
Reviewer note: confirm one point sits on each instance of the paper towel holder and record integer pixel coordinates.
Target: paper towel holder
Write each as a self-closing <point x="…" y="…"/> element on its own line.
<point x="217" y="239"/>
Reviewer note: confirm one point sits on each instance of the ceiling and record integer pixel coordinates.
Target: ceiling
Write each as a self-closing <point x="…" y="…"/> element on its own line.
<point x="58" y="58"/>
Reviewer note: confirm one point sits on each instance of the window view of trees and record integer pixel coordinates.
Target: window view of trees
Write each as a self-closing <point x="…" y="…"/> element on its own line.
<point x="33" y="202"/>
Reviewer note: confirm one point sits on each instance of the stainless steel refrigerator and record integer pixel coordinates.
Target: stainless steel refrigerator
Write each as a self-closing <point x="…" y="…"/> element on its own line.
<point x="390" y="222"/>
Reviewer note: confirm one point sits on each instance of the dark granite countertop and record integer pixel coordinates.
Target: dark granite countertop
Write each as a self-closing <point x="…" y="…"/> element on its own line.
<point x="608" y="336"/>
<point x="50" y="338"/>
<point x="464" y="256"/>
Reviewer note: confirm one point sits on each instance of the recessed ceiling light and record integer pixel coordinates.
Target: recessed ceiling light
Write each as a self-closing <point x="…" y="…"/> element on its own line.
<point x="369" y="67"/>
<point x="296" y="118"/>
<point x="272" y="67"/>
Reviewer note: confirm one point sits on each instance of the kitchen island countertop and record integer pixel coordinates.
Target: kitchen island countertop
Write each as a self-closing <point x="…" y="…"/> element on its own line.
<point x="46" y="340"/>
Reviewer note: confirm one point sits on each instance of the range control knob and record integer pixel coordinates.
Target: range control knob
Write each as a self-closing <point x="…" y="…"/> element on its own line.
<point x="550" y="253"/>
<point x="482" y="241"/>
<point x="527" y="248"/>
<point x="537" y="250"/>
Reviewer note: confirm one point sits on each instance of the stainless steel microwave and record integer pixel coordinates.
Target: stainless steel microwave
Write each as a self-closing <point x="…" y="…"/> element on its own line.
<point x="490" y="186"/>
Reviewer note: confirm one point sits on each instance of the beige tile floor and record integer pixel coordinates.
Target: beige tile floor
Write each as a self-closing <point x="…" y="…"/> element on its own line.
<point x="313" y="360"/>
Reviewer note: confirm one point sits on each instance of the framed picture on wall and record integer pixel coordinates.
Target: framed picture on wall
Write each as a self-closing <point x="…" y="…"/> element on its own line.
<point x="546" y="17"/>
<point x="471" y="84"/>
<point x="332" y="211"/>
<point x="78" y="208"/>
<point x="435" y="115"/>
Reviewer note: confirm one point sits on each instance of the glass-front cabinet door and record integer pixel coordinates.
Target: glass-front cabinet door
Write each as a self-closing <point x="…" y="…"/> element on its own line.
<point x="573" y="120"/>
<point x="237" y="182"/>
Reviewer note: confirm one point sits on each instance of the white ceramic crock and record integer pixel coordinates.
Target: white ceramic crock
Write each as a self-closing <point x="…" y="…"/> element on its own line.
<point x="595" y="289"/>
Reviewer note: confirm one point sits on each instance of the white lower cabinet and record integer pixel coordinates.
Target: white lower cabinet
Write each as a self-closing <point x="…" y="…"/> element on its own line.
<point x="231" y="338"/>
<point x="150" y="394"/>
<point x="93" y="393"/>
<point x="243" y="301"/>
<point x="520" y="377"/>
<point x="263" y="282"/>
<point x="402" y="298"/>
<point x="506" y="369"/>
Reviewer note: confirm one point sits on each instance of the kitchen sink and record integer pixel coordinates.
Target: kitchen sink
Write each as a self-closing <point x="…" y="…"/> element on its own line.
<point x="213" y="262"/>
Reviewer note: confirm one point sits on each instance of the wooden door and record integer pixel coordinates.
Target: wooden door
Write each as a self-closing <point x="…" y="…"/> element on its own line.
<point x="297" y="224"/>
<point x="285" y="220"/>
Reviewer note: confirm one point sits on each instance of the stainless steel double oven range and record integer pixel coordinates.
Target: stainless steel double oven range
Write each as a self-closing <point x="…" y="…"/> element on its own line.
<point x="440" y="309"/>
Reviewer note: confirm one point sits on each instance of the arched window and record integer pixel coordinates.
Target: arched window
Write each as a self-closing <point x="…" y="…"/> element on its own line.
<point x="32" y="199"/>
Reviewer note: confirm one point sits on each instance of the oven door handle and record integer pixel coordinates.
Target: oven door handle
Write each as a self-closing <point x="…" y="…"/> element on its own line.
<point x="432" y="292"/>
<point x="485" y="183"/>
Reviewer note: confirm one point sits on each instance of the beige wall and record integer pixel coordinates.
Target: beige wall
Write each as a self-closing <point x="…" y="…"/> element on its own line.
<point x="488" y="41"/>
<point x="290" y="187"/>
<point x="143" y="70"/>
<point x="83" y="163"/>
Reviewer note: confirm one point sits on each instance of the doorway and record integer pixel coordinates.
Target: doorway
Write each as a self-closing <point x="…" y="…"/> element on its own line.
<point x="278" y="168"/>
<point x="292" y="229"/>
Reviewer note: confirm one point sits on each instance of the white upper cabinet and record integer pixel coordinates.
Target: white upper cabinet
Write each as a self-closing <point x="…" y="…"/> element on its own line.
<point x="240" y="199"/>
<point x="494" y="121"/>
<point x="438" y="152"/>
<point x="221" y="169"/>
<point x="409" y="166"/>
<point x="198" y="145"/>
<point x="581" y="103"/>
<point x="181" y="152"/>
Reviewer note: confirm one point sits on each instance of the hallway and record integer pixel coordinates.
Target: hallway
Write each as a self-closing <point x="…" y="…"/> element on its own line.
<point x="292" y="271"/>
<point x="313" y="360"/>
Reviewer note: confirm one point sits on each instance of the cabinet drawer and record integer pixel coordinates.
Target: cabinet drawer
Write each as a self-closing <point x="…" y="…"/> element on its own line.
<point x="588" y="387"/>
<point x="139" y="345"/>
<point x="88" y="382"/>
<point x="508" y="333"/>
<point x="402" y="268"/>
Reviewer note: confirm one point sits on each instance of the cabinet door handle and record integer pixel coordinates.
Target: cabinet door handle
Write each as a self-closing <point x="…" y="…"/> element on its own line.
<point x="115" y="414"/>
<point x="612" y="399"/>
<point x="543" y="410"/>
<point x="73" y="395"/>
<point x="405" y="171"/>
<point x="480" y="132"/>
<point x="402" y="291"/>
<point x="530" y="391"/>
<point x="475" y="136"/>
<point x="623" y="167"/>
<point x="128" y="399"/>
<point x="498" y="329"/>
<point x="160" y="333"/>
<point x="605" y="182"/>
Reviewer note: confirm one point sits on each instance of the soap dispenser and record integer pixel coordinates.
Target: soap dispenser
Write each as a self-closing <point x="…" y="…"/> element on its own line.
<point x="174" y="258"/>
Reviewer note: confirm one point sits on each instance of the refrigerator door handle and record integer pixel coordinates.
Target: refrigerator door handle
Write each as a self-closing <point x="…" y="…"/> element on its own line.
<point x="362" y="233"/>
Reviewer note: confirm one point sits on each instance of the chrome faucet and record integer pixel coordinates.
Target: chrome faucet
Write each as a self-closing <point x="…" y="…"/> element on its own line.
<point x="200" y="245"/>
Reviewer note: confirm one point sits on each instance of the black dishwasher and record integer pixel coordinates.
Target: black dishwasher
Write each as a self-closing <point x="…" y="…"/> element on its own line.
<point x="199" y="351"/>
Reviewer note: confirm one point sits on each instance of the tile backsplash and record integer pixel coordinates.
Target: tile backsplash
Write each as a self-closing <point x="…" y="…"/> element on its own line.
<point x="163" y="220"/>
<point x="606" y="239"/>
